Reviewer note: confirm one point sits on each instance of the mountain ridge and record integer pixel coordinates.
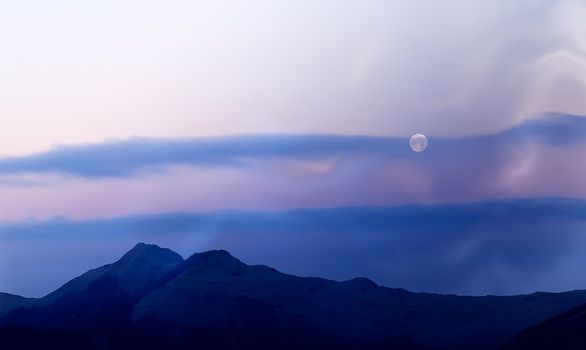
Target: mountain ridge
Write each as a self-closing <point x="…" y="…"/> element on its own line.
<point x="211" y="293"/>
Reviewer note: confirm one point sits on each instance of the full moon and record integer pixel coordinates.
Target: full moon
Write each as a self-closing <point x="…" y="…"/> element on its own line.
<point x="418" y="142"/>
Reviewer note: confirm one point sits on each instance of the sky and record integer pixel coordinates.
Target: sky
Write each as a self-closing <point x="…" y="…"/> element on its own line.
<point x="141" y="111"/>
<point x="76" y="73"/>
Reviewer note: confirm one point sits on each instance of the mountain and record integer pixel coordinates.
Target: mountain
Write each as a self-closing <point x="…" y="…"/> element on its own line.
<point x="143" y="267"/>
<point x="152" y="298"/>
<point x="101" y="294"/>
<point x="564" y="332"/>
<point x="208" y="290"/>
<point x="9" y="302"/>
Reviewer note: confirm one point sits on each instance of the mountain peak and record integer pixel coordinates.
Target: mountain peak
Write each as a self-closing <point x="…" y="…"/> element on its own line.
<point x="143" y="264"/>
<point x="216" y="254"/>
<point x="150" y="252"/>
<point x="139" y="269"/>
<point x="361" y="283"/>
<point x="214" y="260"/>
<point x="219" y="255"/>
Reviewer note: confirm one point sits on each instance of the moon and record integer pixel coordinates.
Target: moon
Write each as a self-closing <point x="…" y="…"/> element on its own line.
<point x="418" y="142"/>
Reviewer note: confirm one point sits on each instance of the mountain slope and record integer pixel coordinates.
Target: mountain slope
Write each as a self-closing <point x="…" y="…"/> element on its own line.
<point x="141" y="267"/>
<point x="101" y="294"/>
<point x="9" y="302"/>
<point x="209" y="289"/>
<point x="564" y="332"/>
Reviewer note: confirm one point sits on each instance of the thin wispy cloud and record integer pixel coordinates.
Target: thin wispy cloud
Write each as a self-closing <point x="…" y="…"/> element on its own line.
<point x="128" y="157"/>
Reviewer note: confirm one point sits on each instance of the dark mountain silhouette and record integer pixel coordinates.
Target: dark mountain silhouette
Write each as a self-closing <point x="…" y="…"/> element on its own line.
<point x="564" y="332"/>
<point x="9" y="302"/>
<point x="152" y="299"/>
<point x="142" y="268"/>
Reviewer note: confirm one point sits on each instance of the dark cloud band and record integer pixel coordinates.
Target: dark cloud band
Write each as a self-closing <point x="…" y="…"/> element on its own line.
<point x="506" y="246"/>
<point x="125" y="158"/>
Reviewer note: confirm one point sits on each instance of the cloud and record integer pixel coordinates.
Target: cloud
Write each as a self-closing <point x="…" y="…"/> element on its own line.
<point x="126" y="158"/>
<point x="464" y="67"/>
<point x="551" y="128"/>
<point x="499" y="247"/>
<point x="541" y="157"/>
